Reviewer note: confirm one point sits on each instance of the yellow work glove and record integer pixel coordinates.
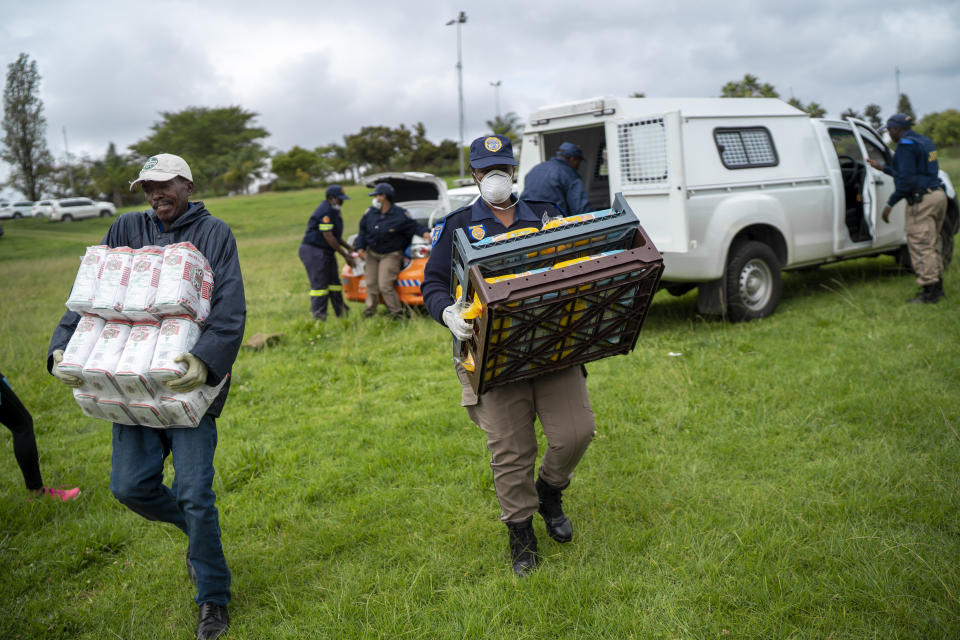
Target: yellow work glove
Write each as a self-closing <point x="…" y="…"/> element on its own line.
<point x="195" y="375"/>
<point x="65" y="378"/>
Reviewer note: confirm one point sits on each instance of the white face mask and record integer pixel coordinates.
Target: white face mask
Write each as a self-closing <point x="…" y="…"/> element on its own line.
<point x="375" y="203"/>
<point x="496" y="186"/>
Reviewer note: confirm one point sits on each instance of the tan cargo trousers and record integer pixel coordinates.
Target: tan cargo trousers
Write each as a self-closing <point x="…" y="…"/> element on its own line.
<point x="507" y="415"/>
<point x="924" y="221"/>
<point x="380" y="272"/>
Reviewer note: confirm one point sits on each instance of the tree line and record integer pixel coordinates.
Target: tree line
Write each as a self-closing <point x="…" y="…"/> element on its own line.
<point x="226" y="154"/>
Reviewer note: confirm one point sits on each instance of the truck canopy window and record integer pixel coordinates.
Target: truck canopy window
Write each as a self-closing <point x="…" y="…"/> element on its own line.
<point x="745" y="148"/>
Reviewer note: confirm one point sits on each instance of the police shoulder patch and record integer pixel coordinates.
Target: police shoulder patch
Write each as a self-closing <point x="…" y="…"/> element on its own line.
<point x="326" y="218"/>
<point x="477" y="232"/>
<point x="435" y="233"/>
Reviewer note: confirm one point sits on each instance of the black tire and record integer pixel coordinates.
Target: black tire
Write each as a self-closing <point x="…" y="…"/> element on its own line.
<point x="946" y="246"/>
<point x="105" y="213"/>
<point x="67" y="218"/>
<point x="753" y="281"/>
<point x="16" y="215"/>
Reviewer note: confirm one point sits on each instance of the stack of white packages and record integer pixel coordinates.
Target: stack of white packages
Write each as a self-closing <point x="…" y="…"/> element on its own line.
<point x="141" y="309"/>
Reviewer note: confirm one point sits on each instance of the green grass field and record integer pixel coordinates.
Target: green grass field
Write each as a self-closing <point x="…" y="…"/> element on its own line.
<point x="795" y="477"/>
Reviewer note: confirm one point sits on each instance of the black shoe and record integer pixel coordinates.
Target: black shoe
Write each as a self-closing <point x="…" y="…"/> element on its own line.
<point x="523" y="547"/>
<point x="369" y="313"/>
<point x="190" y="572"/>
<point x="923" y="294"/>
<point x="551" y="508"/>
<point x="214" y="621"/>
<point x="320" y="317"/>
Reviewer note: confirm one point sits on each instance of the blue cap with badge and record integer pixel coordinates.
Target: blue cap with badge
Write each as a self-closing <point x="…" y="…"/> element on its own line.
<point x="487" y="151"/>
<point x="901" y="120"/>
<point x="383" y="189"/>
<point x="569" y="150"/>
<point x="336" y="191"/>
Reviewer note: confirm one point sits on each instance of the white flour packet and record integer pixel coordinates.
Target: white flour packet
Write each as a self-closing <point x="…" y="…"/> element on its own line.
<point x="178" y="334"/>
<point x="148" y="413"/>
<point x="88" y="404"/>
<point x="112" y="287"/>
<point x="101" y="366"/>
<point x="134" y="363"/>
<point x="85" y="284"/>
<point x="144" y="280"/>
<point x="115" y="411"/>
<point x="81" y="344"/>
<point x="181" y="281"/>
<point x="187" y="409"/>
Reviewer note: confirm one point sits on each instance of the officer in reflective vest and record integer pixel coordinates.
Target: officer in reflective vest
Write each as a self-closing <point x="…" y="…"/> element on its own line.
<point x="318" y="251"/>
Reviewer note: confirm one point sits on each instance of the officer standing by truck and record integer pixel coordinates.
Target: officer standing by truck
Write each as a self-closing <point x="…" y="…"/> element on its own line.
<point x="318" y="251"/>
<point x="915" y="174"/>
<point x="557" y="181"/>
<point x="507" y="414"/>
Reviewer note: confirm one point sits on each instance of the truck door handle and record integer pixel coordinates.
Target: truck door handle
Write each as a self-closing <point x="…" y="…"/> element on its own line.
<point x="878" y="182"/>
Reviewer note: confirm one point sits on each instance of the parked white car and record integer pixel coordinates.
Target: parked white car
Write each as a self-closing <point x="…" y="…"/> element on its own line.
<point x="68" y="209"/>
<point x="733" y="190"/>
<point x="21" y="209"/>
<point x="42" y="208"/>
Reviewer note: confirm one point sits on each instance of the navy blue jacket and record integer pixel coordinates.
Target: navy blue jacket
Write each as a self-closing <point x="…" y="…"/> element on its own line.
<point x="222" y="333"/>
<point x="387" y="232"/>
<point x="915" y="166"/>
<point x="478" y="222"/>
<point x="324" y="218"/>
<point x="557" y="182"/>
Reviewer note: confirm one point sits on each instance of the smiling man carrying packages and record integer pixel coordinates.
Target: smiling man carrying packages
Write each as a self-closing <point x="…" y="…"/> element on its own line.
<point x="136" y="478"/>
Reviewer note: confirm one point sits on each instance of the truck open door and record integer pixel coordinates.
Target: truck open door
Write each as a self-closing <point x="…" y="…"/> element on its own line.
<point x="870" y="143"/>
<point x="645" y="163"/>
<point x="871" y="202"/>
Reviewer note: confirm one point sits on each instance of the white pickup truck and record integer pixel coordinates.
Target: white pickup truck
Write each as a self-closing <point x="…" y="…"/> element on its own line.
<point x="733" y="190"/>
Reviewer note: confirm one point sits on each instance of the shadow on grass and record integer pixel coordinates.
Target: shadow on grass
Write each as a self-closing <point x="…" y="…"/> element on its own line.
<point x="811" y="283"/>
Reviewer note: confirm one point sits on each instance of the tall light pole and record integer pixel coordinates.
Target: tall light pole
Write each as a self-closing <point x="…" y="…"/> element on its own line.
<point x="496" y="95"/>
<point x="459" y="20"/>
<point x="66" y="151"/>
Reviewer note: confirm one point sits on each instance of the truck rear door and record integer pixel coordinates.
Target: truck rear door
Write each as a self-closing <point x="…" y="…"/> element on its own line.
<point x="645" y="163"/>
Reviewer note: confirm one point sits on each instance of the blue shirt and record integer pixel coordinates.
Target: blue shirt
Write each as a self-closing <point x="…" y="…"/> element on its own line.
<point x="324" y="218"/>
<point x="557" y="182"/>
<point x="478" y="222"/>
<point x="387" y="232"/>
<point x="915" y="166"/>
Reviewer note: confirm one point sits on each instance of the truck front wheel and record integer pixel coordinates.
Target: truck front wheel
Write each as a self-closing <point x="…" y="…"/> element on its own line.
<point x="753" y="282"/>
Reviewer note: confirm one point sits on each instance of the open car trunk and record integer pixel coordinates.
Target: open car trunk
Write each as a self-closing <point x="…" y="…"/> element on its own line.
<point x="422" y="194"/>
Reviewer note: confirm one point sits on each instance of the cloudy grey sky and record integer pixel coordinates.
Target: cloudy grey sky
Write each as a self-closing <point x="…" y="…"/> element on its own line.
<point x="315" y="71"/>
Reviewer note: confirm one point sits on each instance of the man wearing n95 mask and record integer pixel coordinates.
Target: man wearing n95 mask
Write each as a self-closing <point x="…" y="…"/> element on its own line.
<point x="507" y="414"/>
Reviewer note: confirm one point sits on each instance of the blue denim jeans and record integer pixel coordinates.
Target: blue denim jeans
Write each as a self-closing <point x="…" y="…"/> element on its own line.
<point x="137" y="481"/>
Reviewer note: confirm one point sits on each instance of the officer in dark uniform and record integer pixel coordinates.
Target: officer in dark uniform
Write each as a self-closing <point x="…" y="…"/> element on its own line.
<point x="916" y="177"/>
<point x="385" y="231"/>
<point x="318" y="251"/>
<point x="507" y="413"/>
<point x="557" y="181"/>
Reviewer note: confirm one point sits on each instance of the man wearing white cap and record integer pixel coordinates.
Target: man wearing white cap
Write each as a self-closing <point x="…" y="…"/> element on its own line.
<point x="136" y="478"/>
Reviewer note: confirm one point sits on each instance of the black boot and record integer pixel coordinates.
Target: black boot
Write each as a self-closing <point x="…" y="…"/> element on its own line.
<point x="523" y="547"/>
<point x="923" y="295"/>
<point x="936" y="292"/>
<point x="551" y="508"/>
